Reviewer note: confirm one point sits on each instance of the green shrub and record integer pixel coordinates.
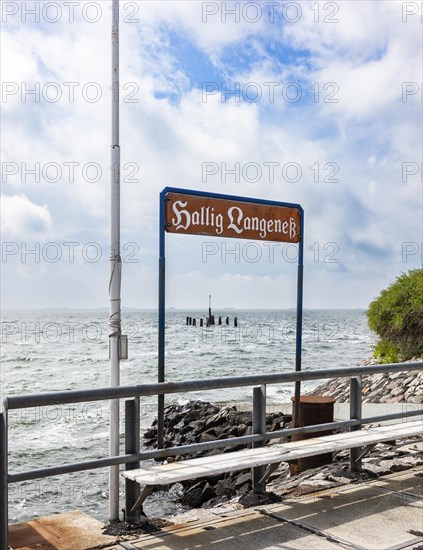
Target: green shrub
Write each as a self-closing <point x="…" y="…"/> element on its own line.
<point x="397" y="318"/>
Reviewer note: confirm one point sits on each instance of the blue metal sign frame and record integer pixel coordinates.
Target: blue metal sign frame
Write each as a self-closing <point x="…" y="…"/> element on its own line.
<point x="162" y="289"/>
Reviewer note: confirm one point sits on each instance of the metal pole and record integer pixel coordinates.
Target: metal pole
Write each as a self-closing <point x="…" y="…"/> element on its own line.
<point x="299" y="328"/>
<point x="132" y="446"/>
<point x="115" y="271"/>
<point x="259" y="427"/>
<point x="355" y="414"/>
<point x="4" y="519"/>
<point x="162" y="287"/>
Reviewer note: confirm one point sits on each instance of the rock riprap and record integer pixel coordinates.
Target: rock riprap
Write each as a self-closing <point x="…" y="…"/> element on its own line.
<point x="396" y="387"/>
<point x="198" y="422"/>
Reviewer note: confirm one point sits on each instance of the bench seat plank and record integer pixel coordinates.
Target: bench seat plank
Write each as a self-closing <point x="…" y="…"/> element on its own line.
<point x="165" y="474"/>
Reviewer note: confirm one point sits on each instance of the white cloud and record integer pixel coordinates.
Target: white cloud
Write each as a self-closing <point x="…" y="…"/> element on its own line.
<point x="21" y="218"/>
<point x="369" y="133"/>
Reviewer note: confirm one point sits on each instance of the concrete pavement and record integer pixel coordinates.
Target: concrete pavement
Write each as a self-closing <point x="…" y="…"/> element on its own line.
<point x="385" y="514"/>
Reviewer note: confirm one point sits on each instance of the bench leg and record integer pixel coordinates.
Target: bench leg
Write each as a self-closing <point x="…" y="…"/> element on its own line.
<point x="132" y="446"/>
<point x="269" y="471"/>
<point x="356" y="414"/>
<point x="143" y="495"/>
<point x="364" y="451"/>
<point x="259" y="427"/>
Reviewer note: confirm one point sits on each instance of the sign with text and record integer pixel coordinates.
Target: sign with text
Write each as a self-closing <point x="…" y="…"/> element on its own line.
<point x="197" y="215"/>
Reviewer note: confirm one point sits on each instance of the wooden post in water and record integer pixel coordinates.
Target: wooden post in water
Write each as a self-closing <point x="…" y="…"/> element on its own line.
<point x="211" y="317"/>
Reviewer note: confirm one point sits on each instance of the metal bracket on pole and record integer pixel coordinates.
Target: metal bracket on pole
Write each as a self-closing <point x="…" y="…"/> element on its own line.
<point x="355" y="414"/>
<point x="143" y="495"/>
<point x="259" y="427"/>
<point x="132" y="445"/>
<point x="269" y="471"/>
<point x="365" y="451"/>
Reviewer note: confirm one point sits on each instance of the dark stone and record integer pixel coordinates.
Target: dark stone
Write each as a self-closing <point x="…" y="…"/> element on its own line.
<point x="244" y="489"/>
<point x="217" y="420"/>
<point x="233" y="430"/>
<point x="225" y="487"/>
<point x="192" y="497"/>
<point x="233" y="449"/>
<point x="177" y="440"/>
<point x="242" y="428"/>
<point x="256" y="499"/>
<point x="214" y="479"/>
<point x="211" y="431"/>
<point x="186" y="428"/>
<point x="173" y="420"/>
<point x="206" y="437"/>
<point x="208" y="492"/>
<point x="150" y="434"/>
<point x="197" y="425"/>
<point x="213" y="452"/>
<point x="242" y="478"/>
<point x="198" y="494"/>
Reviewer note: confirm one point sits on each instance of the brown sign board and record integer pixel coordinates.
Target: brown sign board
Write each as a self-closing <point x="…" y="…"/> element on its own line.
<point x="197" y="215"/>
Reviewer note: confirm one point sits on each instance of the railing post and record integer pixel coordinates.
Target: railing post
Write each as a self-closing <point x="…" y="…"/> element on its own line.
<point x="259" y="427"/>
<point x="4" y="517"/>
<point x="132" y="445"/>
<point x="355" y="414"/>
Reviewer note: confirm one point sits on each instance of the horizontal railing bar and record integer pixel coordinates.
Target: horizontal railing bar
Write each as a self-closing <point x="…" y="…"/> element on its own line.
<point x="126" y="459"/>
<point x="339" y="424"/>
<point x="70" y="468"/>
<point x="196" y="447"/>
<point x="143" y="390"/>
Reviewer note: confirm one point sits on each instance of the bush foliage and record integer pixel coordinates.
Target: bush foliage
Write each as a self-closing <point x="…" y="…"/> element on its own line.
<point x="396" y="316"/>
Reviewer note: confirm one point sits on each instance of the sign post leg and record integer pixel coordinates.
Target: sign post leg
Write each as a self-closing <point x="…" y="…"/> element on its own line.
<point x="299" y="329"/>
<point x="161" y="364"/>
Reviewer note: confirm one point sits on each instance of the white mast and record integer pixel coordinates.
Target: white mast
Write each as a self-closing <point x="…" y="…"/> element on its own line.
<point x="115" y="270"/>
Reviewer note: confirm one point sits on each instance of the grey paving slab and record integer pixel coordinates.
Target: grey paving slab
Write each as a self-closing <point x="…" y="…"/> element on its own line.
<point x="365" y="516"/>
<point x="406" y="483"/>
<point x="249" y="531"/>
<point x="66" y="531"/>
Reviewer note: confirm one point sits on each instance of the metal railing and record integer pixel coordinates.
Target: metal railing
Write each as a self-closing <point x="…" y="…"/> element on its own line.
<point x="132" y="394"/>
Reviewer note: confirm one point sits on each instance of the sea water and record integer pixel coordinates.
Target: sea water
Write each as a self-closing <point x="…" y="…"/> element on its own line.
<point x="52" y="350"/>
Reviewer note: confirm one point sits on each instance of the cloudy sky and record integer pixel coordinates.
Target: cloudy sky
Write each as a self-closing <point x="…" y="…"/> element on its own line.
<point x="317" y="103"/>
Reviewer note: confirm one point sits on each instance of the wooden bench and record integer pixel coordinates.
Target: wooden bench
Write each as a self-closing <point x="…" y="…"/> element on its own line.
<point x="166" y="474"/>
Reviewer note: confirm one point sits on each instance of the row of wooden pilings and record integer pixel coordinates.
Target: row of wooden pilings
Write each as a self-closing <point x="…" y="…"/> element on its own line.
<point x="209" y="321"/>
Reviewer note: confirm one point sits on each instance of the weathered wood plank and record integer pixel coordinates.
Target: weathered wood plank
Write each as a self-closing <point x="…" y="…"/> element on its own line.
<point x="164" y="474"/>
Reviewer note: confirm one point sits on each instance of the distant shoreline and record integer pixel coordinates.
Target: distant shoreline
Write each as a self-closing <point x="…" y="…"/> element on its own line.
<point x="170" y="309"/>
